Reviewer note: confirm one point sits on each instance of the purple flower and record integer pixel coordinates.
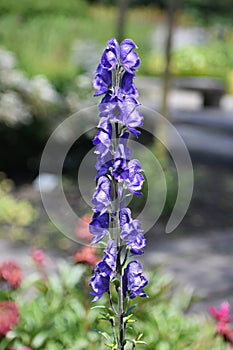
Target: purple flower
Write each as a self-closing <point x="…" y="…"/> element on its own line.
<point x="101" y="198"/>
<point x="125" y="216"/>
<point x="120" y="171"/>
<point x="127" y="85"/>
<point x="112" y="110"/>
<point x="110" y="55"/>
<point x="102" y="81"/>
<point x="129" y="59"/>
<point x="103" y="137"/>
<point x="134" y="280"/>
<point x="135" y="179"/>
<point x="103" y="164"/>
<point x="132" y="117"/>
<point x="104" y="272"/>
<point x="99" y="226"/>
<point x="131" y="232"/>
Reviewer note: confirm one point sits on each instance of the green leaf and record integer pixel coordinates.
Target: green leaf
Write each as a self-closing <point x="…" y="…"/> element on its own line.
<point x="140" y="335"/>
<point x="99" y="307"/>
<point x="130" y="309"/>
<point x="39" y="340"/>
<point x="116" y="283"/>
<point x="128" y="319"/>
<point x="111" y="346"/>
<point x="104" y="334"/>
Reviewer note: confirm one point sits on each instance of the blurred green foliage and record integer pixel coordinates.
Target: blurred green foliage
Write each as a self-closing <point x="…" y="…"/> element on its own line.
<point x="15" y="215"/>
<point x="28" y="8"/>
<point x="44" y="44"/>
<point x="214" y="59"/>
<point x="56" y="314"/>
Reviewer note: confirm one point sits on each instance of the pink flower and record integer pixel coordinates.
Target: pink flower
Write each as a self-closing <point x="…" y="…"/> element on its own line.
<point x="11" y="272"/>
<point x="86" y="255"/>
<point x="225" y="330"/>
<point x="223" y="314"/>
<point x="9" y="316"/>
<point x="38" y="257"/>
<point x="223" y="318"/>
<point x="82" y="228"/>
<point x="22" y="348"/>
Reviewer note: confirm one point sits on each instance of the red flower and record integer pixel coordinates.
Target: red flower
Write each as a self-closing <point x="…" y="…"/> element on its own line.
<point x="82" y="228"/>
<point x="223" y="318"/>
<point x="223" y="314"/>
<point x="224" y="329"/>
<point x="11" y="272"/>
<point x="38" y="257"/>
<point x="86" y="255"/>
<point x="9" y="316"/>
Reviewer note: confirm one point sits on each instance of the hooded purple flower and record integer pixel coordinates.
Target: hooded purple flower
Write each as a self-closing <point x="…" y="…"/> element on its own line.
<point x="129" y="59"/>
<point x="135" y="179"/>
<point x="101" y="198"/>
<point x="132" y="117"/>
<point x="112" y="109"/>
<point x="102" y="81"/>
<point x="99" y="226"/>
<point x="103" y="137"/>
<point x="110" y="56"/>
<point x="104" y="272"/>
<point x="134" y="280"/>
<point x="131" y="232"/>
<point x="127" y="85"/>
<point x="103" y="164"/>
<point x="120" y="171"/>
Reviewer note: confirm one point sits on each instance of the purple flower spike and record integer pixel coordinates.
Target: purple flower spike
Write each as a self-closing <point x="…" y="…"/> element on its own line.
<point x="135" y="179"/>
<point x="99" y="226"/>
<point x="129" y="59"/>
<point x="104" y="272"/>
<point x="101" y="198"/>
<point x="134" y="280"/>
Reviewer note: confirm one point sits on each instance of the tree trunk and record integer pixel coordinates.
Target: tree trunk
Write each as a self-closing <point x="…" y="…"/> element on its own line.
<point x="161" y="131"/>
<point x="122" y="6"/>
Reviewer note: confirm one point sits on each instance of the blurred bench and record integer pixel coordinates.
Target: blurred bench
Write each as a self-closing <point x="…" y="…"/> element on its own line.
<point x="211" y="89"/>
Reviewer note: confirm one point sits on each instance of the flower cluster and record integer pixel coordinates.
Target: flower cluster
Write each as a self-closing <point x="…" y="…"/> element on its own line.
<point x="9" y="316"/>
<point x="11" y="274"/>
<point x="223" y="318"/>
<point x="117" y="174"/>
